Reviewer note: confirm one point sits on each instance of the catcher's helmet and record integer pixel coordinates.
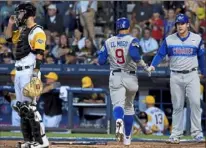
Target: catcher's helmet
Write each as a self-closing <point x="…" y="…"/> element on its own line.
<point x="27" y="9"/>
<point x="181" y="18"/>
<point x="143" y="115"/>
<point x="122" y="23"/>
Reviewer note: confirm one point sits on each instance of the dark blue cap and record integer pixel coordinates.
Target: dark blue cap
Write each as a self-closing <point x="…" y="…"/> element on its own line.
<point x="181" y="18"/>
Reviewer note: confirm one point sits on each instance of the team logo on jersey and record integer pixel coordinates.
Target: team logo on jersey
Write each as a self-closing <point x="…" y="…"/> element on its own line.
<point x="183" y="50"/>
<point x="40" y="41"/>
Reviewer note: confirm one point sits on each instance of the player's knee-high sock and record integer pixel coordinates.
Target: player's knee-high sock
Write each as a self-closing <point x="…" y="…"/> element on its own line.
<point x="128" y="122"/>
<point x="118" y="113"/>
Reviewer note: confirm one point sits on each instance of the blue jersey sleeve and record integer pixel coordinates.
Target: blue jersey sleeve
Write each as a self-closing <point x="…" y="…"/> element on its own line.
<point x="162" y="52"/>
<point x="134" y="50"/>
<point x="201" y="57"/>
<point x="102" y="55"/>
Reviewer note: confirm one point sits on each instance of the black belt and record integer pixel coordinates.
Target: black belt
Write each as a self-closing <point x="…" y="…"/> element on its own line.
<point x="185" y="71"/>
<point x="119" y="70"/>
<point x="22" y="68"/>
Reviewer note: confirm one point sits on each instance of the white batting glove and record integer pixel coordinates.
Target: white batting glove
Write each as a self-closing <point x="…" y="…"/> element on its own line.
<point x="149" y="70"/>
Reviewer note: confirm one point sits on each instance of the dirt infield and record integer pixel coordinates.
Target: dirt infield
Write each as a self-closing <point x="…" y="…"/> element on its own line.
<point x="12" y="143"/>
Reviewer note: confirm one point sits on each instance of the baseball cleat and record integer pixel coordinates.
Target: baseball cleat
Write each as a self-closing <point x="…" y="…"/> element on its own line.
<point x="199" y="139"/>
<point x="23" y="144"/>
<point x="119" y="130"/>
<point x="173" y="140"/>
<point x="127" y="140"/>
<point x="38" y="145"/>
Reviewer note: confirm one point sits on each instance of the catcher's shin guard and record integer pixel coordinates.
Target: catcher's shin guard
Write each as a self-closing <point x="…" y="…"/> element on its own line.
<point x="37" y="126"/>
<point x="25" y="123"/>
<point x="26" y="129"/>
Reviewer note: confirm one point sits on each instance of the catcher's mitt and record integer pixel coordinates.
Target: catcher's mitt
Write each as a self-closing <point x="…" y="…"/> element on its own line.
<point x="33" y="88"/>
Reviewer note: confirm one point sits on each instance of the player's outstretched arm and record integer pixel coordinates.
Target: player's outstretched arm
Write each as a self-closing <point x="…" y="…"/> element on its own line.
<point x="135" y="55"/>
<point x="162" y="52"/>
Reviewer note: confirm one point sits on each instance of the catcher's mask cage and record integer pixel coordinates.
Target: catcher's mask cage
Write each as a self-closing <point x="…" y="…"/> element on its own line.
<point x="23" y="12"/>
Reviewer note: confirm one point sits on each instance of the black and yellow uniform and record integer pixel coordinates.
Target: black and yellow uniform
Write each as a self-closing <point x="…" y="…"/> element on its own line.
<point x="30" y="46"/>
<point x="28" y="40"/>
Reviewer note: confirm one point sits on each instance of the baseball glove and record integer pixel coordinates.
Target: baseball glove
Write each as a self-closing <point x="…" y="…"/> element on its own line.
<point x="33" y="88"/>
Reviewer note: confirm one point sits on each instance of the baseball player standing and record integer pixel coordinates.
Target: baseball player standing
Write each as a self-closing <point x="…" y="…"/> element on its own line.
<point x="186" y="52"/>
<point x="30" y="45"/>
<point x="123" y="54"/>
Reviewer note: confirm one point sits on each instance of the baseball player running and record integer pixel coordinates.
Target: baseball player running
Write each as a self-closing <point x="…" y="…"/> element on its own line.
<point x="30" y="45"/>
<point x="186" y="52"/>
<point x="123" y="53"/>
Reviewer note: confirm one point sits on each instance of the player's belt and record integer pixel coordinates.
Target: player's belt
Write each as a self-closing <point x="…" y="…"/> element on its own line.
<point x="119" y="70"/>
<point x="185" y="71"/>
<point x="20" y="68"/>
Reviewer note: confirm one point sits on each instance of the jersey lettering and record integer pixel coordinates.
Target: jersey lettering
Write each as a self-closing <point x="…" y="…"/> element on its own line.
<point x="183" y="51"/>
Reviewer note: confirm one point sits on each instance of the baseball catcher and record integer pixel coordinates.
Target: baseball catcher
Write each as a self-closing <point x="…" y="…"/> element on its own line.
<point x="29" y="40"/>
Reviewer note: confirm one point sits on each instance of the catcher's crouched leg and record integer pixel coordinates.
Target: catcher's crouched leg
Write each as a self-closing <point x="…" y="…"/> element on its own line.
<point x="37" y="128"/>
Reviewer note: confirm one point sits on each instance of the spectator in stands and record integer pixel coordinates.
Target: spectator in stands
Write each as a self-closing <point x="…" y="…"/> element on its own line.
<point x="7" y="58"/>
<point x="157" y="26"/>
<point x="158" y="121"/>
<point x="49" y="60"/>
<point x="169" y="23"/>
<point x="54" y="22"/>
<point x="70" y="20"/>
<point x="86" y="55"/>
<point x="46" y="5"/>
<point x="87" y="17"/>
<point x="193" y="20"/>
<point x="141" y="14"/>
<point x="191" y="5"/>
<point x="52" y="102"/>
<point x="136" y="31"/>
<point x="149" y="45"/>
<point x="6" y="11"/>
<point x="11" y="98"/>
<point x="49" y="40"/>
<point x="3" y="47"/>
<point x="90" y="98"/>
<point x="201" y="11"/>
<point x="40" y="14"/>
<point x="178" y="6"/>
<point x="78" y="41"/>
<point x="55" y="49"/>
<point x="65" y="50"/>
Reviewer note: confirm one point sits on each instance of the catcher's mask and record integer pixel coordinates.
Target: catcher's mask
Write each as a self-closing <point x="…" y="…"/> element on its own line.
<point x="23" y="12"/>
<point x="143" y="116"/>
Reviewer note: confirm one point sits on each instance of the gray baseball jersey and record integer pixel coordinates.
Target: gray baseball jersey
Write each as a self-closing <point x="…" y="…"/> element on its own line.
<point x="186" y="55"/>
<point x="183" y="55"/>
<point x="123" y="53"/>
<point x="118" y="51"/>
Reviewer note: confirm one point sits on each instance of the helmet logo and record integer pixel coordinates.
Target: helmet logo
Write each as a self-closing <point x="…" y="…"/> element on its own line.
<point x="123" y="24"/>
<point x="180" y="17"/>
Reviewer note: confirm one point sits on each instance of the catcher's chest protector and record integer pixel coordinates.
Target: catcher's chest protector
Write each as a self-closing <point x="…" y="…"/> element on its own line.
<point x="25" y="40"/>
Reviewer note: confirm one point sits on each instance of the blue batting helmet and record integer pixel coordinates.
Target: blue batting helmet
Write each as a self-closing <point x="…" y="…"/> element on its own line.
<point x="181" y="18"/>
<point x="122" y="23"/>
